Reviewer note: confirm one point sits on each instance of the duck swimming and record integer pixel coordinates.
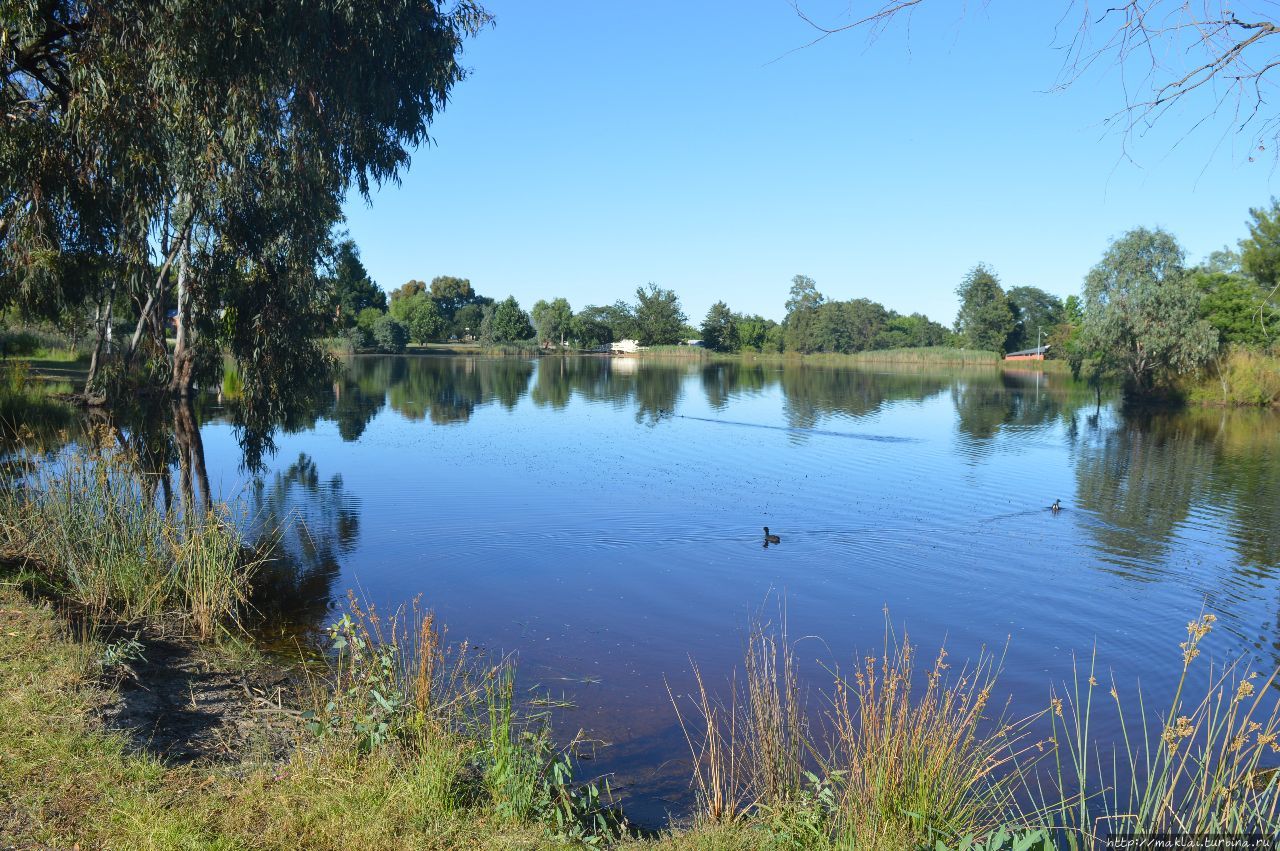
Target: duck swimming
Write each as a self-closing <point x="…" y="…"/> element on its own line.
<point x="1056" y="507"/>
<point x="770" y="539"/>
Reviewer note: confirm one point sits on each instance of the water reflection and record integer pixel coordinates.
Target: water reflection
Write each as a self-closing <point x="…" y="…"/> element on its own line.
<point x="611" y="526"/>
<point x="303" y="526"/>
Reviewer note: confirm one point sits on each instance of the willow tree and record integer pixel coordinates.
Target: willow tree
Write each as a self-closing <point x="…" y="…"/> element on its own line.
<point x="1142" y="313"/>
<point x="196" y="160"/>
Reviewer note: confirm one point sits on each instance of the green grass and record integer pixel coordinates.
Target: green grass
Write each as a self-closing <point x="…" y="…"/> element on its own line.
<point x="521" y="348"/>
<point x="929" y="356"/>
<point x="90" y="530"/>
<point x="1239" y="377"/>
<point x="66" y="783"/>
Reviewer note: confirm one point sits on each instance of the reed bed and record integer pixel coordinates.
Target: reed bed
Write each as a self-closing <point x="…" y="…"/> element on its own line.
<point x="929" y="356"/>
<point x="905" y="758"/>
<point x="1240" y="377"/>
<point x="90" y="527"/>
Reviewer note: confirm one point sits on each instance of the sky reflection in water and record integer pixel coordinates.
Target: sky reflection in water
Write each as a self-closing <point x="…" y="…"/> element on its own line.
<point x="602" y="519"/>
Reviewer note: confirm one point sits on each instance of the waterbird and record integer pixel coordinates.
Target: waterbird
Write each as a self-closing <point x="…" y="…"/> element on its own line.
<point x="1056" y="507"/>
<point x="770" y="539"/>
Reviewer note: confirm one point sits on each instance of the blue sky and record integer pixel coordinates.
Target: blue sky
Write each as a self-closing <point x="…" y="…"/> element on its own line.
<point x="599" y="145"/>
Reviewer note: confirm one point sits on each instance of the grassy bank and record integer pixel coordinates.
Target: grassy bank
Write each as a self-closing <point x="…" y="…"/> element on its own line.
<point x="88" y="531"/>
<point x="930" y="356"/>
<point x="1239" y="377"/>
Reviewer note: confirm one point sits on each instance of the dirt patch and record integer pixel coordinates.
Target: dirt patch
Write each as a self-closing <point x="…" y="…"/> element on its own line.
<point x="178" y="701"/>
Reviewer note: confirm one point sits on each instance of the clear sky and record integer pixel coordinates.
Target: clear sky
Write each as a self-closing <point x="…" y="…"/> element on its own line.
<point x="601" y="144"/>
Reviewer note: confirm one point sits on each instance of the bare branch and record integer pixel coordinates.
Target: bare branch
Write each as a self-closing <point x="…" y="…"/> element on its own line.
<point x="1210" y="53"/>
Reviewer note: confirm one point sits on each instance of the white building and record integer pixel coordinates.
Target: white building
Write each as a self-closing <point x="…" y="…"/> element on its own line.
<point x="628" y="347"/>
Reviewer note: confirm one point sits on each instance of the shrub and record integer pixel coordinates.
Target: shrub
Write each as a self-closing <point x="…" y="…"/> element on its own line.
<point x="390" y="334"/>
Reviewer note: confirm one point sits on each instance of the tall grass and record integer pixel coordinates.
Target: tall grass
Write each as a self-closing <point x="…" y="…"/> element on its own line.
<point x="520" y="348"/>
<point x="1240" y="377"/>
<point x="90" y="527"/>
<point x="929" y="356"/>
<point x="897" y="761"/>
<point x="395" y="688"/>
<point x="905" y="758"/>
<point x="683" y="352"/>
<point x="1205" y="764"/>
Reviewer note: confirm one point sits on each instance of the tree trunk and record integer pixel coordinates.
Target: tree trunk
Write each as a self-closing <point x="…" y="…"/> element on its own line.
<point x="157" y="291"/>
<point x="102" y="333"/>
<point x="183" y="378"/>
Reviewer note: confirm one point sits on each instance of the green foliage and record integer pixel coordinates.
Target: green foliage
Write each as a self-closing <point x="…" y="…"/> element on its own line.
<point x="599" y="325"/>
<point x="553" y="320"/>
<point x="211" y="144"/>
<point x="816" y="324"/>
<point x="720" y="329"/>
<point x="505" y="322"/>
<point x="658" y="318"/>
<point x="362" y="334"/>
<point x="1236" y="306"/>
<point x="467" y="321"/>
<point x="985" y="319"/>
<point x="420" y="316"/>
<point x="1036" y="314"/>
<point x="1260" y="250"/>
<point x="802" y="310"/>
<point x="1142" y="313"/>
<point x="353" y="289"/>
<point x="592" y="327"/>
<point x="1001" y="839"/>
<point x="407" y="290"/>
<point x="389" y="334"/>
<point x="367" y="701"/>
<point x="914" y="331"/>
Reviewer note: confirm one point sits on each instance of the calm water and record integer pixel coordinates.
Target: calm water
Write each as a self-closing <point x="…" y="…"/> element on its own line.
<point x="602" y="519"/>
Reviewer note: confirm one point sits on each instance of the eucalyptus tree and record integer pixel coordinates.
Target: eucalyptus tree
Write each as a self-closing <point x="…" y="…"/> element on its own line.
<point x="1141" y="312"/>
<point x="1034" y="311"/>
<point x="207" y="148"/>
<point x="802" y="311"/>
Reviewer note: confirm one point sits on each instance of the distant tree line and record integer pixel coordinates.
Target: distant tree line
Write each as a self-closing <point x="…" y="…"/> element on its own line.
<point x="1143" y="317"/>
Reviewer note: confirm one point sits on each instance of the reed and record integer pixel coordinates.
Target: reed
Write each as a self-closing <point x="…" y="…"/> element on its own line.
<point x="395" y="688"/>
<point x="91" y="528"/>
<point x="1205" y="764"/>
<point x="929" y="356"/>
<point x="1240" y="377"/>
<point x="909" y="759"/>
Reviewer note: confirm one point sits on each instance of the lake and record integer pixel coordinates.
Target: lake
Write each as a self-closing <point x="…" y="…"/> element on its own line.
<point x="602" y="520"/>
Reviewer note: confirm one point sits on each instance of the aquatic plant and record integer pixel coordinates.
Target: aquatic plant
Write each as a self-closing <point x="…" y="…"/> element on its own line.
<point x="89" y="526"/>
<point x="896" y="763"/>
<point x="909" y="761"/>
<point x="395" y="686"/>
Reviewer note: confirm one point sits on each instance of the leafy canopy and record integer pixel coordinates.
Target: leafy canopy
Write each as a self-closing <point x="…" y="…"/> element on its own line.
<point x="1142" y="312"/>
<point x="985" y="319"/>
